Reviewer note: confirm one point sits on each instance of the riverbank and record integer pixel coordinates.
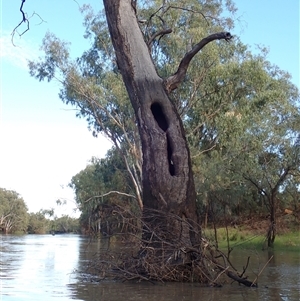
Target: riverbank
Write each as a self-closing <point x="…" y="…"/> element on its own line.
<point x="287" y="239"/>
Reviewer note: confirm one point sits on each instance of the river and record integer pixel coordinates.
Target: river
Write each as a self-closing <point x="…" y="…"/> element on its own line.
<point x="47" y="268"/>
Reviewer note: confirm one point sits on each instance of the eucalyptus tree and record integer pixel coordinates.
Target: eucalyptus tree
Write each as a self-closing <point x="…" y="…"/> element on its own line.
<point x="13" y="212"/>
<point x="278" y="160"/>
<point x="248" y="138"/>
<point x="227" y="103"/>
<point x="267" y="154"/>
<point x="94" y="86"/>
<point x="66" y="224"/>
<point x="88" y="188"/>
<point x="103" y="182"/>
<point x="38" y="223"/>
<point x="168" y="184"/>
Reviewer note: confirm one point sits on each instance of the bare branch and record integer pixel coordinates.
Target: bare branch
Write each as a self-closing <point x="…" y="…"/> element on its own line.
<point x="153" y="254"/>
<point x="172" y="82"/>
<point x="108" y="193"/>
<point x="24" y="20"/>
<point x="190" y="10"/>
<point x="165" y="9"/>
<point x="281" y="179"/>
<point x="259" y="187"/>
<point x="254" y="284"/>
<point x="204" y="151"/>
<point x="160" y="33"/>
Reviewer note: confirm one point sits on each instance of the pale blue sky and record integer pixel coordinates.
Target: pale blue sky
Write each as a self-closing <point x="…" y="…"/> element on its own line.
<point x="43" y="144"/>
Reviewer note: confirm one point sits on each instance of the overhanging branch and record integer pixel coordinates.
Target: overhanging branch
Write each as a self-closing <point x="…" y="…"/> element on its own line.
<point x="172" y="82"/>
<point x="24" y="20"/>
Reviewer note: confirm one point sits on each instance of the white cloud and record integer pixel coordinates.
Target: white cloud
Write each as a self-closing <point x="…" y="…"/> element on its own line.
<point x="41" y="148"/>
<point x="17" y="52"/>
<point x="37" y="160"/>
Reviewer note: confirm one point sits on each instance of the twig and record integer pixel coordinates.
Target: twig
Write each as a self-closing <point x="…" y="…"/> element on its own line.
<point x="108" y="193"/>
<point x="218" y="276"/>
<point x="245" y="268"/>
<point x="253" y="283"/>
<point x="160" y="256"/>
<point x="160" y="33"/>
<point x="25" y="20"/>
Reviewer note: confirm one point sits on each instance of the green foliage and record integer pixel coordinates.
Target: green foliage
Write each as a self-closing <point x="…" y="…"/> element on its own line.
<point x="251" y="240"/>
<point x="243" y="131"/>
<point x="13" y="212"/>
<point x="93" y="85"/>
<point x="38" y="223"/>
<point x="102" y="182"/>
<point x="65" y="224"/>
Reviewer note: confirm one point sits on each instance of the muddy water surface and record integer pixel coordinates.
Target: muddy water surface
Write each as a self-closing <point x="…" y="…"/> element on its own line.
<point x="46" y="267"/>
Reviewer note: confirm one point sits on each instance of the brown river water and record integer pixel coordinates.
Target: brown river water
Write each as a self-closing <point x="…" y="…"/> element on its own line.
<point x="46" y="267"/>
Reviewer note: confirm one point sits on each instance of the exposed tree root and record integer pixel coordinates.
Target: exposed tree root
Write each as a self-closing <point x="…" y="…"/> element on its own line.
<point x="163" y="258"/>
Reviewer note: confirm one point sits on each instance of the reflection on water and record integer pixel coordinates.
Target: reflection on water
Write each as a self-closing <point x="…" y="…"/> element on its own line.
<point x="37" y="267"/>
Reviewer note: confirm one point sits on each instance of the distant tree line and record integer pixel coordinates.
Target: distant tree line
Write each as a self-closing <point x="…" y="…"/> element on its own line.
<point x="15" y="218"/>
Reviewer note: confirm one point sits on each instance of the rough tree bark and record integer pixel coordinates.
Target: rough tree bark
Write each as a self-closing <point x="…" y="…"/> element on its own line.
<point x="168" y="184"/>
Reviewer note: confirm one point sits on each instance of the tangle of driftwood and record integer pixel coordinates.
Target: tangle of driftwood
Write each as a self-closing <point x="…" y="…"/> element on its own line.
<point x="160" y="258"/>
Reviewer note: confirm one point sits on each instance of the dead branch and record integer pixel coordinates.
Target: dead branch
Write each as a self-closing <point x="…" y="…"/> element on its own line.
<point x="108" y="193"/>
<point x="245" y="268"/>
<point x="24" y="20"/>
<point x="164" y="10"/>
<point x="240" y="280"/>
<point x="255" y="280"/>
<point x="166" y="30"/>
<point x="160" y="34"/>
<point x="172" y="82"/>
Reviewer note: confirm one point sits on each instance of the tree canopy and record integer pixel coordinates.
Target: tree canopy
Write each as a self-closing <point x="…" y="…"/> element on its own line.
<point x="13" y="212"/>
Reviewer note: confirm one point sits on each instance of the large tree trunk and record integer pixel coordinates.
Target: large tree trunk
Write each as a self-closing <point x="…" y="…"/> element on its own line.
<point x="168" y="185"/>
<point x="171" y="248"/>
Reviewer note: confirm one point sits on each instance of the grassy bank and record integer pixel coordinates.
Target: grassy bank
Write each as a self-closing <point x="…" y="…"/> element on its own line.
<point x="250" y="239"/>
